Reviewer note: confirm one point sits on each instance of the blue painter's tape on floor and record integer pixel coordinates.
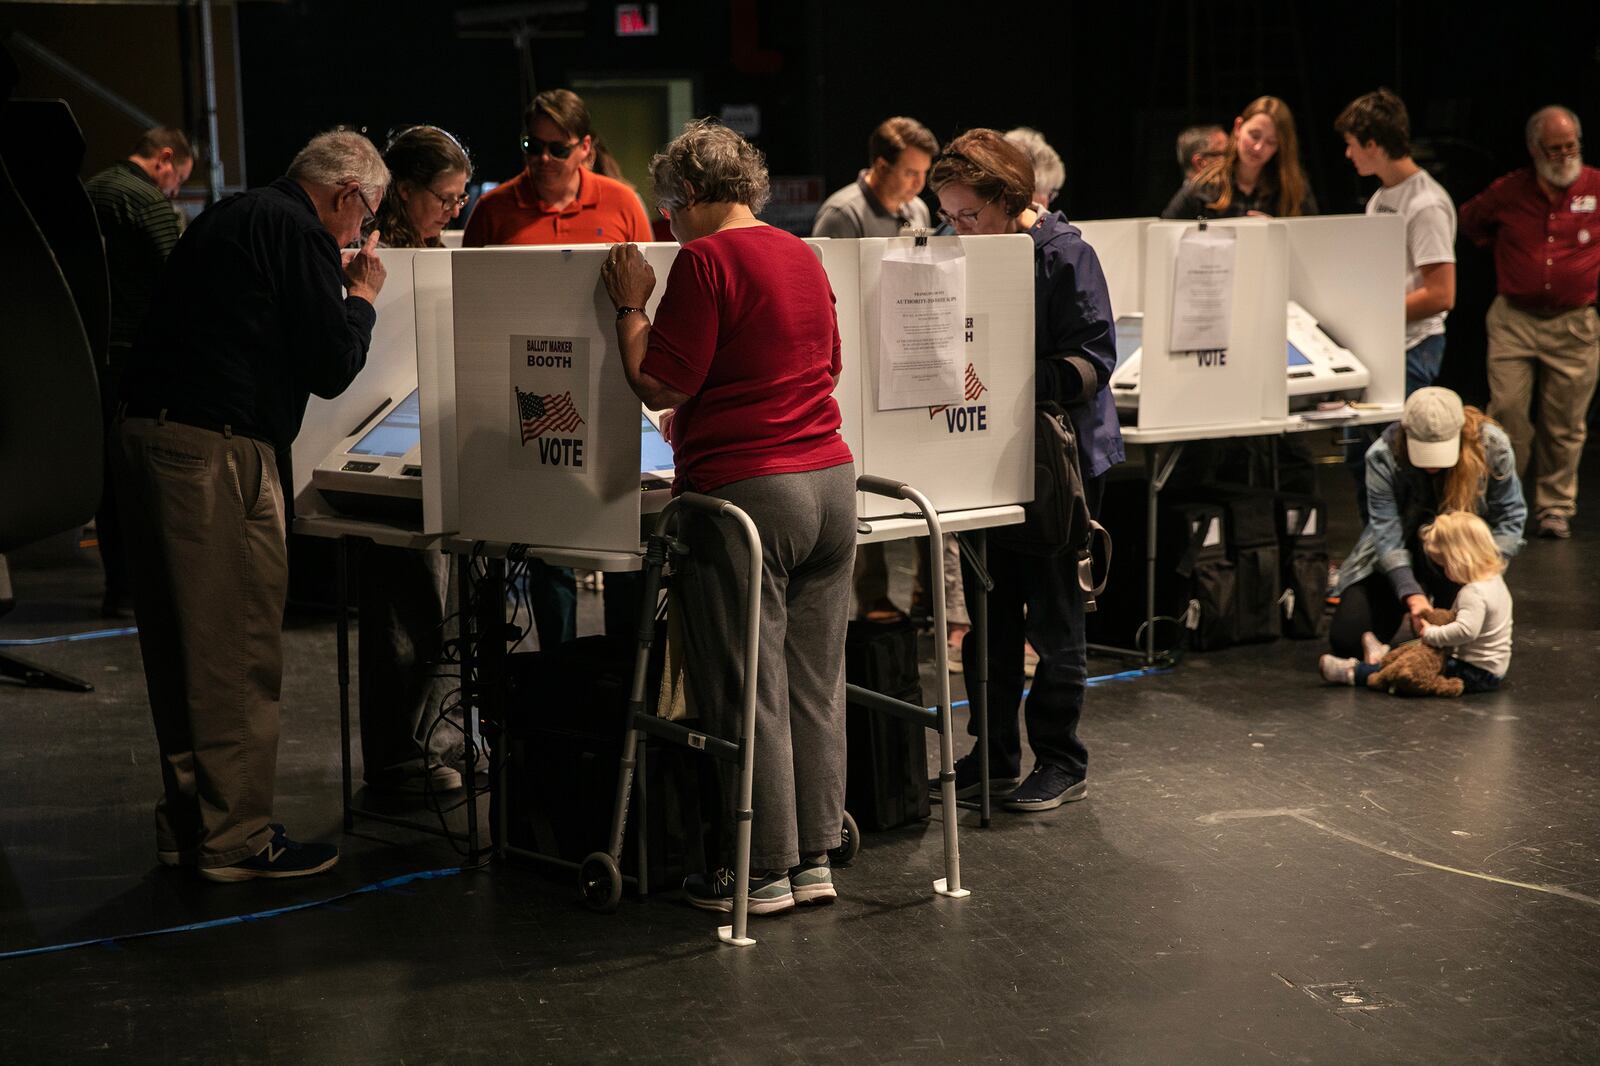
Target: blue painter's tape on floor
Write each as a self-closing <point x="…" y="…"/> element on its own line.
<point x="93" y="634"/>
<point x="114" y="942"/>
<point x="1101" y="679"/>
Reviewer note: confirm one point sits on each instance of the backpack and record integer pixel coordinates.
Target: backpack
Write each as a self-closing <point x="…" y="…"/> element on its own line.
<point x="1058" y="520"/>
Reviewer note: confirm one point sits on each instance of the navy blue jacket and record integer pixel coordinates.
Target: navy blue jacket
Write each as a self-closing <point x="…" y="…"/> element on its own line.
<point x="1074" y="339"/>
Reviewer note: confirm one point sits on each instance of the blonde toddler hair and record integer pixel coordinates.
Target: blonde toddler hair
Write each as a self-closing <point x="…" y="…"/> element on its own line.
<point x="1460" y="542"/>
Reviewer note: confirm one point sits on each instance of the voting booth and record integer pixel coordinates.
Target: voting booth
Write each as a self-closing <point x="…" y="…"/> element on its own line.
<point x="1314" y="311"/>
<point x="399" y="401"/>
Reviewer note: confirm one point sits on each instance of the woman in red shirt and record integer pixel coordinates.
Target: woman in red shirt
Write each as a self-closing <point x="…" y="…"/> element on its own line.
<point x="745" y="349"/>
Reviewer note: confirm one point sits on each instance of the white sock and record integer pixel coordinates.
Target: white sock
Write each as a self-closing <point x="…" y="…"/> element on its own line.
<point x="1337" y="671"/>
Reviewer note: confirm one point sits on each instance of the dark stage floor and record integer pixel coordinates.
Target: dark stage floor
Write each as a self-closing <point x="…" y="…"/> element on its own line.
<point x="1266" y="870"/>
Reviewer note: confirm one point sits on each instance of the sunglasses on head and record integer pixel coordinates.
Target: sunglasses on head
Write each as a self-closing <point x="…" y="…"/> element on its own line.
<point x="532" y="146"/>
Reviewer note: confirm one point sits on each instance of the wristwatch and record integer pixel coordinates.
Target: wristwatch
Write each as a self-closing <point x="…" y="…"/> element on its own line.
<point x="624" y="312"/>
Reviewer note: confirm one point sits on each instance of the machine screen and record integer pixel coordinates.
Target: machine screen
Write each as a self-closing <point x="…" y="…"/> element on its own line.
<point x="1130" y="336"/>
<point x="1296" y="357"/>
<point x="397" y="434"/>
<point x="655" y="454"/>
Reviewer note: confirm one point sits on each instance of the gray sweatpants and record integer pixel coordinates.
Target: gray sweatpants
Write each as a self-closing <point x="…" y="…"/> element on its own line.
<point x="807" y="524"/>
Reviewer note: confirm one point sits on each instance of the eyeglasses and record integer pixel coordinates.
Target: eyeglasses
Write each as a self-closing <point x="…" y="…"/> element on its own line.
<point x="1562" y="150"/>
<point x="968" y="217"/>
<point x="371" y="212"/>
<point x="532" y="146"/>
<point x="448" y="203"/>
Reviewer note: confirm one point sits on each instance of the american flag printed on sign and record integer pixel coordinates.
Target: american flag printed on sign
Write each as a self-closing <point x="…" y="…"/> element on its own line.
<point x="974" y="389"/>
<point x="546" y="414"/>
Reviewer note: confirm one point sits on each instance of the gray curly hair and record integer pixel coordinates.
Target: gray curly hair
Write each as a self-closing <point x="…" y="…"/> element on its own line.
<point x="710" y="164"/>
<point x="338" y="156"/>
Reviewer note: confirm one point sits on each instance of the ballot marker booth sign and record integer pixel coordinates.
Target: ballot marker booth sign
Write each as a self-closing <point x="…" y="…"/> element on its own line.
<point x="550" y="410"/>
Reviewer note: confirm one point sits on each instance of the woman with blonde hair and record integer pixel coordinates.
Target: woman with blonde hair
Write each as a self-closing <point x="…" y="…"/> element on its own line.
<point x="1479" y="637"/>
<point x="1259" y="174"/>
<point x="1441" y="456"/>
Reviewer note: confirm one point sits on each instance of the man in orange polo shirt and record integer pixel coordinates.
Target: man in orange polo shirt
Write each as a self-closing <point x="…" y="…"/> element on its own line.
<point x="556" y="199"/>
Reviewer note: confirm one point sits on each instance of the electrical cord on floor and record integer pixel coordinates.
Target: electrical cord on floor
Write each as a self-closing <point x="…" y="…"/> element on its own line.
<point x="386" y="885"/>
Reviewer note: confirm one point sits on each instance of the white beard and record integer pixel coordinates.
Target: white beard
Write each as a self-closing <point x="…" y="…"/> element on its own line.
<point x="1562" y="174"/>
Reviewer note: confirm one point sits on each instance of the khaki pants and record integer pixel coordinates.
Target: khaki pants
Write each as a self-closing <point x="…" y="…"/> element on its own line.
<point x="204" y="523"/>
<point x="1559" y="355"/>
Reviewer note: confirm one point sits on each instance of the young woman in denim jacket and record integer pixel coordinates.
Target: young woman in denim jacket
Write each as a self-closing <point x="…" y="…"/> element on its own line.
<point x="1440" y="457"/>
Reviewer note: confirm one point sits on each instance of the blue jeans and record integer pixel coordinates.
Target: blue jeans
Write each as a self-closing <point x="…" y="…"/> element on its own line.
<point x="1424" y="359"/>
<point x="1036" y="599"/>
<point x="1473" y="678"/>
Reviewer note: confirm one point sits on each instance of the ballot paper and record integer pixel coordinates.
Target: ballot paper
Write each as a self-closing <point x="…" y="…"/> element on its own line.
<point x="922" y="296"/>
<point x="1202" y="294"/>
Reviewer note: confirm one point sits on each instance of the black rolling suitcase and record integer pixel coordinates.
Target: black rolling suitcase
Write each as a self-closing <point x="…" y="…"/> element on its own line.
<point x="886" y="779"/>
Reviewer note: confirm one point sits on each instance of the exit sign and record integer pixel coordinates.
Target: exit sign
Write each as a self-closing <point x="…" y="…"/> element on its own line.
<point x="636" y="20"/>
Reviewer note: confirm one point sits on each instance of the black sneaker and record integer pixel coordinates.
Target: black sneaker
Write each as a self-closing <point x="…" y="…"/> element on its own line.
<point x="714" y="891"/>
<point x="968" y="783"/>
<point x="281" y="857"/>
<point x="1048" y="787"/>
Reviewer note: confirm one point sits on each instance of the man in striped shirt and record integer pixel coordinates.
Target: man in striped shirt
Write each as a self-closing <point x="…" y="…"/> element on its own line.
<point x="133" y="202"/>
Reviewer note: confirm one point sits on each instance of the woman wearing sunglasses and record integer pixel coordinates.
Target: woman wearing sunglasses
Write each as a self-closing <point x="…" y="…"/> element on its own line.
<point x="985" y="184"/>
<point x="557" y="199"/>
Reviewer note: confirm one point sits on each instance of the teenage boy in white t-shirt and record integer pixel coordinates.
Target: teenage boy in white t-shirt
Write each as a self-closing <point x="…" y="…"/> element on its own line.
<point x="1377" y="138"/>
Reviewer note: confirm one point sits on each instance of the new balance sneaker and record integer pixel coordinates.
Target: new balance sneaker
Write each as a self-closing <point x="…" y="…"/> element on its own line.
<point x="1048" y="787"/>
<point x="812" y="882"/>
<point x="968" y="783"/>
<point x="714" y="891"/>
<point x="281" y="858"/>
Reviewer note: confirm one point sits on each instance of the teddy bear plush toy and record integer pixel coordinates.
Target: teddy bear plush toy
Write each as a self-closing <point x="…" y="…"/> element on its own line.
<point x="1415" y="668"/>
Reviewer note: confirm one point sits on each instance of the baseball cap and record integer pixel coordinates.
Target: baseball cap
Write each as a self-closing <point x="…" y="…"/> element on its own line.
<point x="1432" y="420"/>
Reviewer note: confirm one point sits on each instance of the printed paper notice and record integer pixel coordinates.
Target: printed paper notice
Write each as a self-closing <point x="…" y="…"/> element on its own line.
<point x="1202" y="297"/>
<point x="550" y="404"/>
<point x="922" y="295"/>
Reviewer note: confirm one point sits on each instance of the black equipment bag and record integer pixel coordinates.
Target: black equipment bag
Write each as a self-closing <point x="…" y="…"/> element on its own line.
<point x="1201" y="588"/>
<point x="1303" y="549"/>
<point x="886" y="778"/>
<point x="1057" y="519"/>
<point x="1253" y="548"/>
<point x="566" y="713"/>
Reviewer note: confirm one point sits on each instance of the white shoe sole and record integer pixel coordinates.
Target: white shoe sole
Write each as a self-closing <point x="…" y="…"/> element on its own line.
<point x="1071" y="795"/>
<point x="757" y="906"/>
<point x="815" y="895"/>
<point x="235" y="874"/>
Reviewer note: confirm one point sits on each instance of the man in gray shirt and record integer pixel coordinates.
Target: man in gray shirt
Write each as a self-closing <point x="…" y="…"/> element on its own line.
<point x="882" y="202"/>
<point x="883" y="199"/>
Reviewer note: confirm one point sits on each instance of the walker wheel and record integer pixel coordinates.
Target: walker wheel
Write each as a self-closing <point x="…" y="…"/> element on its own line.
<point x="600" y="883"/>
<point x="849" y="843"/>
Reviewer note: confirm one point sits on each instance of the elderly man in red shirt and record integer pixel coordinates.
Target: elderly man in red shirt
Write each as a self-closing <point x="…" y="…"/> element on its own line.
<point x="1544" y="224"/>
